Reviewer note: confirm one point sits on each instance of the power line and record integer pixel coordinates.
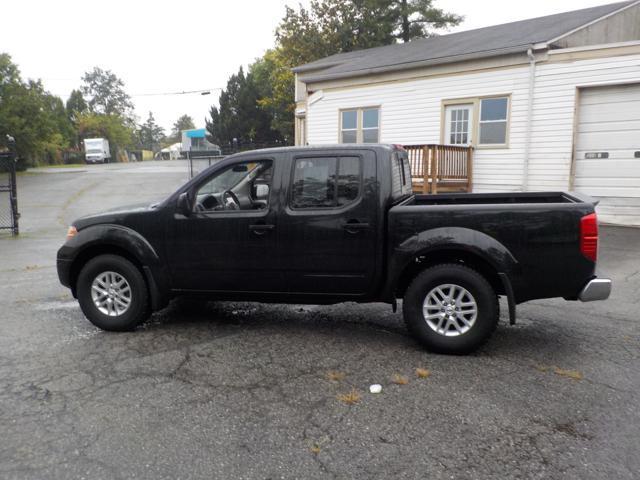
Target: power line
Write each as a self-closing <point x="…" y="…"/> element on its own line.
<point x="206" y="91"/>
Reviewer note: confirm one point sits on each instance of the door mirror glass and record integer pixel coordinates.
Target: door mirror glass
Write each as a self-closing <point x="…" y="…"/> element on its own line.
<point x="262" y="191"/>
<point x="184" y="204"/>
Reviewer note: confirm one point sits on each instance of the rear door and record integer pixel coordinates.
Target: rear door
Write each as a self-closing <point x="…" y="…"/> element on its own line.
<point x="329" y="224"/>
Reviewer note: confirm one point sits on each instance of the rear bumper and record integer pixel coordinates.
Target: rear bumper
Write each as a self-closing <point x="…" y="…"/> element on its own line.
<point x="596" y="289"/>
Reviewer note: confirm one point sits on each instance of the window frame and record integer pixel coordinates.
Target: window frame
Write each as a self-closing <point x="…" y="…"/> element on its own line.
<point x="475" y="120"/>
<point x="359" y="124"/>
<point x="338" y="156"/>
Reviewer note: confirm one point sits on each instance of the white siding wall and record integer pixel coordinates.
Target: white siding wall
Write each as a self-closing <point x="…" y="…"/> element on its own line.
<point x="410" y="114"/>
<point x="411" y="110"/>
<point x="554" y="108"/>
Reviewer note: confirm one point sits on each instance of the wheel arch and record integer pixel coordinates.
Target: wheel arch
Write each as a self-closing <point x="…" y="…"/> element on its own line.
<point x="124" y="242"/>
<point x="472" y="248"/>
<point x="430" y="258"/>
<point x="96" y="250"/>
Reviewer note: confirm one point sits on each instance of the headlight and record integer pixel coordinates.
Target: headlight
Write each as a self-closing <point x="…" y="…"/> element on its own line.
<point x="71" y="232"/>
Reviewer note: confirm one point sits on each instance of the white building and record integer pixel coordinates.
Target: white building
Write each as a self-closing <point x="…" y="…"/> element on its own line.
<point x="551" y="103"/>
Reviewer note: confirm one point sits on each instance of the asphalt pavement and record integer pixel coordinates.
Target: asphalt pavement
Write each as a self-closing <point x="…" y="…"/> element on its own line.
<point x="244" y="390"/>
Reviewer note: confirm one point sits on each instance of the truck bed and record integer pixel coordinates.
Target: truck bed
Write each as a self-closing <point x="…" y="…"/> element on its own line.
<point x="496" y="199"/>
<point x="531" y="226"/>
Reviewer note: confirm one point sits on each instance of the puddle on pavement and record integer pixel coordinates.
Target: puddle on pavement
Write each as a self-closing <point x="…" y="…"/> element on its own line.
<point x="47" y="306"/>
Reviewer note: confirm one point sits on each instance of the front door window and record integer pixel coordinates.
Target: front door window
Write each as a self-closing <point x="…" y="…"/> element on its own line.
<point x="458" y="124"/>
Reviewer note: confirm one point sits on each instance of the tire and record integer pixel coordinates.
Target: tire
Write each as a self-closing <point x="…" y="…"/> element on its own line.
<point x="443" y="320"/>
<point x="123" y="308"/>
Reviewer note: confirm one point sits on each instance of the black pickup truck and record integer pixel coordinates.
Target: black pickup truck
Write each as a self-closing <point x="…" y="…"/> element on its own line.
<point x="334" y="224"/>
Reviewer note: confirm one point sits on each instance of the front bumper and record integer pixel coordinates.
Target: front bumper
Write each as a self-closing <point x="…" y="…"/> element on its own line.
<point x="595" y="289"/>
<point x="64" y="262"/>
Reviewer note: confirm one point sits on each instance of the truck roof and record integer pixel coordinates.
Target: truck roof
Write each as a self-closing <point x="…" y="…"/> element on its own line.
<point x="313" y="148"/>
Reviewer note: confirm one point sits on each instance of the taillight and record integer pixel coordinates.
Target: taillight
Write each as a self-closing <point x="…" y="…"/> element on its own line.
<point x="589" y="236"/>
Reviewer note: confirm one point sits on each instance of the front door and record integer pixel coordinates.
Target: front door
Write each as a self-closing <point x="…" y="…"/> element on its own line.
<point x="229" y="242"/>
<point x="458" y="121"/>
<point x="329" y="225"/>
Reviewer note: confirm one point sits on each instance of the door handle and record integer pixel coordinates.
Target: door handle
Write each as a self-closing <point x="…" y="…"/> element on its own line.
<point x="354" y="226"/>
<point x="261" y="228"/>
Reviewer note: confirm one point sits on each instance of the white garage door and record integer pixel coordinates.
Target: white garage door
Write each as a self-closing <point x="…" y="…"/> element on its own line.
<point x="607" y="152"/>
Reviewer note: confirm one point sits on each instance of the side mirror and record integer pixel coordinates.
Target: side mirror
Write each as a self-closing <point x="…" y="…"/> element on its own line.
<point x="262" y="191"/>
<point x="184" y="204"/>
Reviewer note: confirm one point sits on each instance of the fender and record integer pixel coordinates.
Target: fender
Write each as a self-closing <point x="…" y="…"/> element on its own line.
<point x="129" y="240"/>
<point x="449" y="238"/>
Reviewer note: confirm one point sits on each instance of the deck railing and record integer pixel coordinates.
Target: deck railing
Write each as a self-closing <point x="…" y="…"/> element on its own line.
<point x="440" y="168"/>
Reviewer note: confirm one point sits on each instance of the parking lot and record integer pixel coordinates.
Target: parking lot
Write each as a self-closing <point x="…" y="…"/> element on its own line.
<point x="240" y="390"/>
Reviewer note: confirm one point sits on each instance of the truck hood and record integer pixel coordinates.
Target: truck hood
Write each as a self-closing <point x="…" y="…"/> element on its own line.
<point x="115" y="215"/>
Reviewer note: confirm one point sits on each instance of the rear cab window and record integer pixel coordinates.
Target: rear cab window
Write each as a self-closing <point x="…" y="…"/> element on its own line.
<point x="400" y="175"/>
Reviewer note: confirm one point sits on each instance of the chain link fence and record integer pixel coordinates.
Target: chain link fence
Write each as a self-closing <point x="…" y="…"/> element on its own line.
<point x="8" y="194"/>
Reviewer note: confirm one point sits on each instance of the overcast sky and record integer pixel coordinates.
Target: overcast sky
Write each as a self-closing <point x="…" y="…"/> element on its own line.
<point x="157" y="46"/>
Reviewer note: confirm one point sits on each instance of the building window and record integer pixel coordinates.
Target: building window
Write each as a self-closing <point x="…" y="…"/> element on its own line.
<point x="458" y="118"/>
<point x="349" y="126"/>
<point x="197" y="143"/>
<point x="476" y="121"/>
<point x="370" y="125"/>
<point x="493" y="121"/>
<point x="360" y="125"/>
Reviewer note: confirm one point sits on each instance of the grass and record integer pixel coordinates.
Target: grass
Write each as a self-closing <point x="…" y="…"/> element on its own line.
<point x="350" y="398"/>
<point x="399" y="379"/>
<point x="335" y="376"/>
<point x="573" y="374"/>
<point x="63" y="165"/>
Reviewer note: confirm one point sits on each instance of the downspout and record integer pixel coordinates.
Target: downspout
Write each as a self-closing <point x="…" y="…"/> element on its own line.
<point x="527" y="138"/>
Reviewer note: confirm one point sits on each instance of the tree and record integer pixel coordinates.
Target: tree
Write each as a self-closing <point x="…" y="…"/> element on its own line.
<point x="239" y="116"/>
<point x="328" y="27"/>
<point x="418" y="18"/>
<point x="273" y="74"/>
<point x="76" y="105"/>
<point x="185" y="122"/>
<point x="105" y="93"/>
<point x="150" y="134"/>
<point x="35" y="118"/>
<point x="112" y="127"/>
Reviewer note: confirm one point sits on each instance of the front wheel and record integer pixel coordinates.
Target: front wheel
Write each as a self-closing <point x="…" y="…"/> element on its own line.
<point x="451" y="308"/>
<point x="112" y="293"/>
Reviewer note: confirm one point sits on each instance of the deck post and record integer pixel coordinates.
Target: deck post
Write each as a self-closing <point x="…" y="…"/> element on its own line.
<point x="469" y="169"/>
<point x="434" y="169"/>
<point x="425" y="169"/>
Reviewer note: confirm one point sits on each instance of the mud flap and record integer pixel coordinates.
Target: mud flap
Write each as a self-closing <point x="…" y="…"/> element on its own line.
<point x="510" y="297"/>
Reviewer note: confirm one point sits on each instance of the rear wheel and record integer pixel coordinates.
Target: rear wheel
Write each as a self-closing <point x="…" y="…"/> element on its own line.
<point x="112" y="293"/>
<point x="451" y="308"/>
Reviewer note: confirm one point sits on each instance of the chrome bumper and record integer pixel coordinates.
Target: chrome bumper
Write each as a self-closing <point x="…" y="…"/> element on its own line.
<point x="596" y="289"/>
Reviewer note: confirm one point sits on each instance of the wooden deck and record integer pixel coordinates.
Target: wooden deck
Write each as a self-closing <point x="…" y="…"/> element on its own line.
<point x="440" y="168"/>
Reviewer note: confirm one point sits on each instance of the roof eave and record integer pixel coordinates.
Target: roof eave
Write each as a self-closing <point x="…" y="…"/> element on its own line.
<point x="320" y="77"/>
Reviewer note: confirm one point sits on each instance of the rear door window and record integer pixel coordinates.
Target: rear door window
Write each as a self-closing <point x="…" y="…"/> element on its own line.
<point x="325" y="182"/>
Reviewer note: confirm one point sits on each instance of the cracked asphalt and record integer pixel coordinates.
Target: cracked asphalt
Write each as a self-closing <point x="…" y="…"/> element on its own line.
<point x="241" y="390"/>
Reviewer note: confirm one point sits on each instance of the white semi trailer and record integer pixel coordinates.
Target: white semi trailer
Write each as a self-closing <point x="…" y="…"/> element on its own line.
<point x="96" y="150"/>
